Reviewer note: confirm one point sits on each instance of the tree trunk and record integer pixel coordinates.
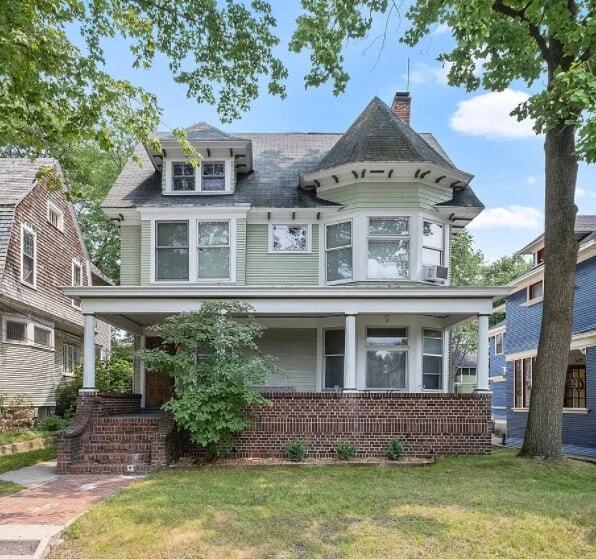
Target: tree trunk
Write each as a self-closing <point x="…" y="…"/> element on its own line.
<point x="544" y="427"/>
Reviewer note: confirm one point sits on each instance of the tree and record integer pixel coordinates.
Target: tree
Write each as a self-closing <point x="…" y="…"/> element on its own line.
<point x="215" y="361"/>
<point x="54" y="93"/>
<point x="528" y="40"/>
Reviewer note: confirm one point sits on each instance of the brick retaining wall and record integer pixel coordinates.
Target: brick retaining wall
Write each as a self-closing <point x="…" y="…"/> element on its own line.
<point x="427" y="424"/>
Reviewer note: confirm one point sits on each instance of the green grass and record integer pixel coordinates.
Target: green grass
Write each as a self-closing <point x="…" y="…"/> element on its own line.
<point x="497" y="507"/>
<point x="20" y="435"/>
<point x="7" y="488"/>
<point x="23" y="459"/>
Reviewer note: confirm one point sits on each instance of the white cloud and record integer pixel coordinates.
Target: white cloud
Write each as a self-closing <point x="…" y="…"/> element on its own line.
<point x="440" y="72"/>
<point x="417" y="77"/>
<point x="584" y="193"/>
<point x="531" y="179"/>
<point x="512" y="217"/>
<point x="489" y="115"/>
<point x="441" y="29"/>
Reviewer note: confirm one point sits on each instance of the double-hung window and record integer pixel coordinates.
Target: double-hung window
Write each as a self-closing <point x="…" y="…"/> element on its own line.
<point x="388" y="248"/>
<point x="433" y="243"/>
<point x="28" y="255"/>
<point x="499" y="344"/>
<point x="213" y="176"/>
<point x="289" y="238"/>
<point x="535" y="291"/>
<point x="432" y="359"/>
<point x="386" y="358"/>
<point x="171" y="250"/>
<point x="523" y="371"/>
<point x="77" y="279"/>
<point x="70" y="359"/>
<point x="335" y="341"/>
<point x="338" y="251"/>
<point x="183" y="177"/>
<point x="213" y="245"/>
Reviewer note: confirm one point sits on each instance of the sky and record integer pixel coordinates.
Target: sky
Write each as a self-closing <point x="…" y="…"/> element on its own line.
<point x="505" y="156"/>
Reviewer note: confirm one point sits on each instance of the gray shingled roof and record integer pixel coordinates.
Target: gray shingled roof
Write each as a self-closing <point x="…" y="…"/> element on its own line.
<point x="378" y="135"/>
<point x="585" y="224"/>
<point x="463" y="198"/>
<point x="201" y="131"/>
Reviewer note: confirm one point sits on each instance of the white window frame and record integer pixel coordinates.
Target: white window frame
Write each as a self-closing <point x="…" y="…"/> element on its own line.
<point x="30" y="325"/>
<point x="327" y="250"/>
<point x="529" y="298"/>
<point x="53" y="208"/>
<point x="76" y="264"/>
<point x="407" y="237"/>
<point x="392" y="348"/>
<point x="29" y="229"/>
<point x="441" y="251"/>
<point x="325" y="355"/>
<point x="443" y="357"/>
<point x="226" y="177"/>
<point x="497" y="344"/>
<point x="171" y="185"/>
<point x="197" y="248"/>
<point x="306" y="250"/>
<point x="35" y="325"/>
<point x="154" y="225"/>
<point x="168" y="184"/>
<point x="73" y="350"/>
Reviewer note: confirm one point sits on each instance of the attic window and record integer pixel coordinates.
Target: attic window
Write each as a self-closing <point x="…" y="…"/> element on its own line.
<point x="213" y="177"/>
<point x="55" y="216"/>
<point x="183" y="177"/>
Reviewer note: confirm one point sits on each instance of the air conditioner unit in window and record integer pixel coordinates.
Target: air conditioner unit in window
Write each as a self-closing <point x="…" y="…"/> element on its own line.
<point x="437" y="274"/>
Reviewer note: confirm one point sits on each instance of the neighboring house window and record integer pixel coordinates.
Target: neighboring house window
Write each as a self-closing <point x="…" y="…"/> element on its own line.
<point x="213" y="243"/>
<point x="388" y="248"/>
<point x="171" y="250"/>
<point x="289" y="238"/>
<point x="25" y="331"/>
<point x="575" y="387"/>
<point x="55" y="216"/>
<point x="432" y="359"/>
<point x="70" y="359"/>
<point x="539" y="257"/>
<point x="15" y="331"/>
<point x="523" y="369"/>
<point x="183" y="177"/>
<point x="433" y="243"/>
<point x="28" y="254"/>
<point x="535" y="291"/>
<point x="386" y="358"/>
<point x="465" y="372"/>
<point x="213" y="176"/>
<point x="77" y="279"/>
<point x="335" y="341"/>
<point x="338" y="251"/>
<point x="499" y="344"/>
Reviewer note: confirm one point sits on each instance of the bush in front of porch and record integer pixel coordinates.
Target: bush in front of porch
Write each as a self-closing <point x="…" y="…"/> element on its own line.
<point x="216" y="363"/>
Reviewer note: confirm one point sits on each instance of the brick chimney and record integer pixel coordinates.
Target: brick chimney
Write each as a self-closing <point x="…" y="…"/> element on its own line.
<point x="401" y="106"/>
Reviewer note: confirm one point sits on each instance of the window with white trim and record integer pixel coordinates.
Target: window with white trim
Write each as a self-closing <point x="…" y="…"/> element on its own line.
<point x="71" y="357"/>
<point x="171" y="250"/>
<point x="433" y="243"/>
<point x="213" y="246"/>
<point x="386" y="358"/>
<point x="77" y="279"/>
<point x="432" y="359"/>
<point x="15" y="331"/>
<point x="55" y="216"/>
<point x="338" y="252"/>
<point x="28" y="254"/>
<point x="25" y="331"/>
<point x="289" y="238"/>
<point x="388" y="247"/>
<point x="535" y="291"/>
<point x="334" y="352"/>
<point x="213" y="176"/>
<point x="183" y="177"/>
<point x="42" y="336"/>
<point x="499" y="344"/>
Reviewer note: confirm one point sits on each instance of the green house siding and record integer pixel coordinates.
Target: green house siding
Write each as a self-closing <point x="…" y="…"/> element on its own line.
<point x="380" y="195"/>
<point x="146" y="252"/>
<point x="240" y="251"/>
<point x="130" y="255"/>
<point x="263" y="268"/>
<point x="296" y="352"/>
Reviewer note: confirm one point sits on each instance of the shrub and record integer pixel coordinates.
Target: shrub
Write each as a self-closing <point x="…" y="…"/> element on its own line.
<point x="16" y="413"/>
<point x="345" y="450"/>
<point x="296" y="450"/>
<point x="394" y="450"/>
<point x="52" y="424"/>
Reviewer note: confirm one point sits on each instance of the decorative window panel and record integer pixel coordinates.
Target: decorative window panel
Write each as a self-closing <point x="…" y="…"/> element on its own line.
<point x="289" y="238"/>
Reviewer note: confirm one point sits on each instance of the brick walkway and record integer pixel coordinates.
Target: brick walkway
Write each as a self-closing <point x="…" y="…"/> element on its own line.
<point x="60" y="501"/>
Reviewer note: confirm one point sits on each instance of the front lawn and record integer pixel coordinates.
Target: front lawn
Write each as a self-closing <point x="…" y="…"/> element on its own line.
<point x="21" y="435"/>
<point x="489" y="507"/>
<point x="22" y="459"/>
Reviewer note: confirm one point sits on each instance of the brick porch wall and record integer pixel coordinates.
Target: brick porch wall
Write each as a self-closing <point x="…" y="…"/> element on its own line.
<point x="427" y="424"/>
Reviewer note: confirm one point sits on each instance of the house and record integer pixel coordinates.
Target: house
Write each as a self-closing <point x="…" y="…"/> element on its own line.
<point x="41" y="251"/>
<point x="340" y="243"/>
<point x="465" y="374"/>
<point x="514" y="343"/>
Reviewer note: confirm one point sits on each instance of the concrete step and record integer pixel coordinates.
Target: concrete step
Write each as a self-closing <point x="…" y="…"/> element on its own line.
<point x="117" y="457"/>
<point x="113" y="468"/>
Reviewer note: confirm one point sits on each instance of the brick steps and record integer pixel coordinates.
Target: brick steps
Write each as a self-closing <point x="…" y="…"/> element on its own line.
<point x="118" y="457"/>
<point x="111" y="468"/>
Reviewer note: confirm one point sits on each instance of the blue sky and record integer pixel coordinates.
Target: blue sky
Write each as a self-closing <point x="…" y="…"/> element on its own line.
<point x="505" y="157"/>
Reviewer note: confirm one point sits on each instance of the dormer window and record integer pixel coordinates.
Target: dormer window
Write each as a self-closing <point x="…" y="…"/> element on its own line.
<point x="213" y="176"/>
<point x="183" y="177"/>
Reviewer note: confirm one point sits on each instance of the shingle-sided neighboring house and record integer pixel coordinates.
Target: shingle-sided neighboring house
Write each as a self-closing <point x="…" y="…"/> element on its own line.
<point x="41" y="251"/>
<point x="340" y="243"/>
<point x="514" y="344"/>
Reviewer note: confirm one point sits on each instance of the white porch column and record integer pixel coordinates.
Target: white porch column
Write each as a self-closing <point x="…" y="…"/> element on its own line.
<point x="482" y="364"/>
<point x="142" y="378"/>
<point x="89" y="355"/>
<point x="350" y="353"/>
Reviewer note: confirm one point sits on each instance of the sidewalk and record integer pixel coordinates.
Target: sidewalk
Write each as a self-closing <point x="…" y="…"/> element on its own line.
<point x="31" y="519"/>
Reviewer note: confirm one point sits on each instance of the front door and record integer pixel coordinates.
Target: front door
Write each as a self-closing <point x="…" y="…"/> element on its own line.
<point x="158" y="386"/>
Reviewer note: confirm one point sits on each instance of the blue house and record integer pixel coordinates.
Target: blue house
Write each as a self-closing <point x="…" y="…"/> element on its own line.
<point x="513" y="346"/>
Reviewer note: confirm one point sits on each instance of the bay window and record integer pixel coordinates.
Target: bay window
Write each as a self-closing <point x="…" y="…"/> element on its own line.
<point x="171" y="250"/>
<point x="432" y="359"/>
<point x="183" y="177"/>
<point x="213" y="245"/>
<point x="334" y="346"/>
<point x="289" y="238"/>
<point x="28" y="254"/>
<point x="388" y="248"/>
<point x="338" y="251"/>
<point x="433" y="243"/>
<point x="386" y="358"/>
